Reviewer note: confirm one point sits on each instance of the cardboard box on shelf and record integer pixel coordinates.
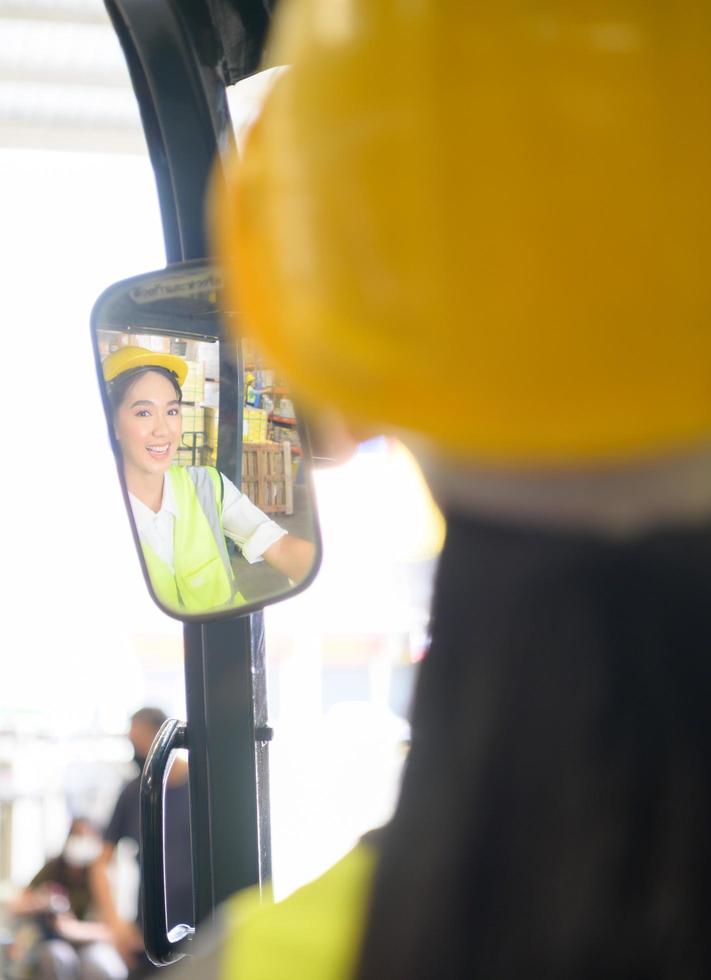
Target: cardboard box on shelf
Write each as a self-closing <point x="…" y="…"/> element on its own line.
<point x="254" y="425"/>
<point x="212" y="423"/>
<point x="212" y="393"/>
<point x="210" y="357"/>
<point x="193" y="427"/>
<point x="194" y="387"/>
<point x="284" y="433"/>
<point x="209" y="450"/>
<point x="263" y="378"/>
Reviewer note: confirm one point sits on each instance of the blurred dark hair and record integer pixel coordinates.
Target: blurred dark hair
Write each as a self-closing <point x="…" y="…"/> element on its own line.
<point x="119" y="386"/>
<point x="555" y="814"/>
<point x="150" y="717"/>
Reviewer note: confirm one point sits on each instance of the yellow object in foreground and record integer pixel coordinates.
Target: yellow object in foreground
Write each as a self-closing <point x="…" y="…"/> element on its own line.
<point x="486" y="223"/>
<point x="313" y="934"/>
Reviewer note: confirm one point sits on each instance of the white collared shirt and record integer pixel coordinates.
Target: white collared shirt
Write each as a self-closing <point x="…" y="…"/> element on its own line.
<point x="243" y="522"/>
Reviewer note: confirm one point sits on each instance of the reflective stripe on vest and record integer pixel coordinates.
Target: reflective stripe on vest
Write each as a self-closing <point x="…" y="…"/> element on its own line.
<point x="202" y="577"/>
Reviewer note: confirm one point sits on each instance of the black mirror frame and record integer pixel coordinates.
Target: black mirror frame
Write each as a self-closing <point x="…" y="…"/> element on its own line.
<point x="224" y="614"/>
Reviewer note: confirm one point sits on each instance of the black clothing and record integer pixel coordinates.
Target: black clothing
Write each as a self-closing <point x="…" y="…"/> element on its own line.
<point x="72" y="881"/>
<point x="178" y="869"/>
<point x="555" y="808"/>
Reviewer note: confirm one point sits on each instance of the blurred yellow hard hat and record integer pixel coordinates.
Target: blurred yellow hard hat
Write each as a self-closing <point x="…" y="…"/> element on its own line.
<point x="127" y="358"/>
<point x="511" y="198"/>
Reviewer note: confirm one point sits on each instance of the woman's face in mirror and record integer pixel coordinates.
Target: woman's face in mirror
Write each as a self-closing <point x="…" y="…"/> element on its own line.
<point x="148" y="424"/>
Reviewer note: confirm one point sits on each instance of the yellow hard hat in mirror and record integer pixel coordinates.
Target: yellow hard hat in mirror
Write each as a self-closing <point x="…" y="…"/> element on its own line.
<point x="130" y="357"/>
<point x="486" y="223"/>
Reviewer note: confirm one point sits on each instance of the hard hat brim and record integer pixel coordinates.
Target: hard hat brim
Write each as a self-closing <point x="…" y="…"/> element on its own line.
<point x="143" y="358"/>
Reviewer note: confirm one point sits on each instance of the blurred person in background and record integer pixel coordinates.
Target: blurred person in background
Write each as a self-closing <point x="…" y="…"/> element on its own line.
<point x="57" y="909"/>
<point x="124" y="825"/>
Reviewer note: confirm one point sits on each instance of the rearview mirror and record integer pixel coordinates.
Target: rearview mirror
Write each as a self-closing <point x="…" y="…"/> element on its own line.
<point x="212" y="458"/>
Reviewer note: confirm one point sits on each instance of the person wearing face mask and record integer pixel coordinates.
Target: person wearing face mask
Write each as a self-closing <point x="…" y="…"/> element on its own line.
<point x="68" y="945"/>
<point x="183" y="514"/>
<point x="124" y="825"/>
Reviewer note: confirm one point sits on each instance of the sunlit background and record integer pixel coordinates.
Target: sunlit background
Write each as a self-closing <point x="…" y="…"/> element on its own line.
<point x="82" y="644"/>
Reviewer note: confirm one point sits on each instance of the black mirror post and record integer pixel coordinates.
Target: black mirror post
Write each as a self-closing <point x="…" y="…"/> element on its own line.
<point x="183" y="107"/>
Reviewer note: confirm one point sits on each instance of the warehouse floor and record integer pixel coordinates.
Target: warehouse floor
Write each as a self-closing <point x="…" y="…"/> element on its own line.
<point x="260" y="579"/>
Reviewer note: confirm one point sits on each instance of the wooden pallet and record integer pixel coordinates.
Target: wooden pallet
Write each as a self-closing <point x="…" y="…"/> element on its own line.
<point x="267" y="476"/>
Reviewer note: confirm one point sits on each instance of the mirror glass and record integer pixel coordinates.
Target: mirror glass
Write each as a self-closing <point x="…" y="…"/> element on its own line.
<point x="213" y="461"/>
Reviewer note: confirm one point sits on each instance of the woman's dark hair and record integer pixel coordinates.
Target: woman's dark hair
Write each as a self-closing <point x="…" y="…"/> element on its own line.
<point x="555" y="814"/>
<point x="119" y="386"/>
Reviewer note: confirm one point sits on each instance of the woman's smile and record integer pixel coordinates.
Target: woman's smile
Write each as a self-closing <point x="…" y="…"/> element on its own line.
<point x="158" y="451"/>
<point x="148" y="426"/>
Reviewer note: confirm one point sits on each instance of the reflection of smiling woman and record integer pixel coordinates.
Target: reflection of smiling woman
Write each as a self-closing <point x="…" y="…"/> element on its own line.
<point x="184" y="513"/>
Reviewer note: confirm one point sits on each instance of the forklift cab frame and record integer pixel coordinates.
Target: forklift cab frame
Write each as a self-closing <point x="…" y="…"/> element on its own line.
<point x="181" y="55"/>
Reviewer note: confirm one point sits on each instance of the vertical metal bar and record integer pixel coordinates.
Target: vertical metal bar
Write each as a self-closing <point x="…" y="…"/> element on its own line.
<point x="263" y="735"/>
<point x="231" y="409"/>
<point x="228" y="800"/>
<point x="199" y="775"/>
<point x="186" y="121"/>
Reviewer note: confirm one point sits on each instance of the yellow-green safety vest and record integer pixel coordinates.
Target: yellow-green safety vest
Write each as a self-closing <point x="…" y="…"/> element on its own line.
<point x="314" y="934"/>
<point x="202" y="576"/>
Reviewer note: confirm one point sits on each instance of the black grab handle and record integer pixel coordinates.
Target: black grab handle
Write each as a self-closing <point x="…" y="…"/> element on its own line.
<point x="162" y="946"/>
